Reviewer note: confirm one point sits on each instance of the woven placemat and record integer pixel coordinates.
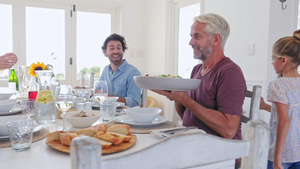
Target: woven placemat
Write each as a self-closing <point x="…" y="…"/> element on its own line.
<point x="146" y="129"/>
<point x="39" y="135"/>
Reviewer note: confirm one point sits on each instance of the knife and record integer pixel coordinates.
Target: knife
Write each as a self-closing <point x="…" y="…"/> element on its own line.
<point x="176" y="130"/>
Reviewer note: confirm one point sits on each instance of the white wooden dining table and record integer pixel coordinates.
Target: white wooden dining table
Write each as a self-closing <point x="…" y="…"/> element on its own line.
<point x="41" y="156"/>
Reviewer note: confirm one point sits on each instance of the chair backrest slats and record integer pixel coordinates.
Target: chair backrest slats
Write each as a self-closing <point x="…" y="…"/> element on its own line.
<point x="254" y="95"/>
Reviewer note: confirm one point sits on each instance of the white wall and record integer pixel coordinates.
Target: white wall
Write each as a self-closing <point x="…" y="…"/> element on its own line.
<point x="252" y="22"/>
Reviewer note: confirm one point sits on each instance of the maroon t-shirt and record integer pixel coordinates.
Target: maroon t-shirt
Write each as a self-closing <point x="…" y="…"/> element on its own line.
<point x="223" y="88"/>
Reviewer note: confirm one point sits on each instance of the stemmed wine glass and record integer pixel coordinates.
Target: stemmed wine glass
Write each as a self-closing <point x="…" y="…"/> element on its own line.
<point x="26" y="80"/>
<point x="63" y="100"/>
<point x="100" y="90"/>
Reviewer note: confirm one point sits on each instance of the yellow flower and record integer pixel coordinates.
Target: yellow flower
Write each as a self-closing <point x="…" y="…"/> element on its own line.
<point x="37" y="66"/>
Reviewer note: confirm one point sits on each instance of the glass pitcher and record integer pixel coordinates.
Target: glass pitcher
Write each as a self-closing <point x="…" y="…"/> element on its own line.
<point x="45" y="106"/>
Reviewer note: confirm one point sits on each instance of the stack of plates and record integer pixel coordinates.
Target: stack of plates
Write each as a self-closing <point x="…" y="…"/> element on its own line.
<point x="7" y="104"/>
<point x="4" y="119"/>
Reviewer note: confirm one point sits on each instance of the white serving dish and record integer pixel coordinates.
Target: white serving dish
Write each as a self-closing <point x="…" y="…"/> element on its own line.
<point x="7" y="104"/>
<point x="81" y="122"/>
<point x="128" y="120"/>
<point x="6" y="93"/>
<point x="143" y="115"/>
<point x="5" y="119"/>
<point x="166" y="83"/>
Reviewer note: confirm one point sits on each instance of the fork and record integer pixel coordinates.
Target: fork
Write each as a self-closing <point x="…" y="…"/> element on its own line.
<point x="178" y="130"/>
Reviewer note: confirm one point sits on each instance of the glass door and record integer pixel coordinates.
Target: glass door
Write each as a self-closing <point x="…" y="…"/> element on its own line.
<point x="185" y="59"/>
<point x="46" y="39"/>
<point x="93" y="26"/>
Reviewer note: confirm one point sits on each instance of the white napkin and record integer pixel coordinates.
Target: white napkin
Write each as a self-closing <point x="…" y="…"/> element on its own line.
<point x="160" y="132"/>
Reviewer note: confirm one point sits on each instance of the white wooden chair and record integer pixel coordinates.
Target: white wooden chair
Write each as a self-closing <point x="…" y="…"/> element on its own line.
<point x="147" y="101"/>
<point x="200" y="151"/>
<point x="254" y="96"/>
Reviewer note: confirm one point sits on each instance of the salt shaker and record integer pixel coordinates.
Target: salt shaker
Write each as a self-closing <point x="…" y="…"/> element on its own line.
<point x="92" y="80"/>
<point x="85" y="153"/>
<point x="82" y="79"/>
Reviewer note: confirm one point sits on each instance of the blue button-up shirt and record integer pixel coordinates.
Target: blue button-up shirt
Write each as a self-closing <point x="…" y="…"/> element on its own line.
<point x="121" y="83"/>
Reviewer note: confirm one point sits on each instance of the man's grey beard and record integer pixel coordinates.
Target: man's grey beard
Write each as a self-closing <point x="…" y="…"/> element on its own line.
<point x="204" y="53"/>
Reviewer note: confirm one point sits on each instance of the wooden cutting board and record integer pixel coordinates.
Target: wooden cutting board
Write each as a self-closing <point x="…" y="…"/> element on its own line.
<point x="112" y="149"/>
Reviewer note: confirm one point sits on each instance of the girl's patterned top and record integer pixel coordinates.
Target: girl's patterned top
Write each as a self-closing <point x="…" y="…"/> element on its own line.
<point x="286" y="91"/>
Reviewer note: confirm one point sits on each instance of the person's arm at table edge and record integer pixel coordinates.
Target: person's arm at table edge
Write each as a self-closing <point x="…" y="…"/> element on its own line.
<point x="224" y="124"/>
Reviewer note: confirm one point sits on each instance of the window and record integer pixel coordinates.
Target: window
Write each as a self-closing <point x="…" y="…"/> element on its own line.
<point x="66" y="36"/>
<point x="89" y="51"/>
<point x="5" y="33"/>
<point x="45" y="38"/>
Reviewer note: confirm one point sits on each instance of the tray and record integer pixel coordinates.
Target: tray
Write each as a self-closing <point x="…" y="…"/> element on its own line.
<point x="112" y="149"/>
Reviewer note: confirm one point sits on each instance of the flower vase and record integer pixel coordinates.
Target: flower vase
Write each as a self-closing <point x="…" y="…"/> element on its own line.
<point x="45" y="105"/>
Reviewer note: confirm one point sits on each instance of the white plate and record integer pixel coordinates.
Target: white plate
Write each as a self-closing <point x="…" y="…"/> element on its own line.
<point x="6" y="93"/>
<point x="166" y="83"/>
<point x="37" y="127"/>
<point x="128" y="120"/>
<point x="12" y="111"/>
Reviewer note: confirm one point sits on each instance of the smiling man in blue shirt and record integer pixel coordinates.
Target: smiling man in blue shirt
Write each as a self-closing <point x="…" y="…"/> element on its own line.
<point x="119" y="73"/>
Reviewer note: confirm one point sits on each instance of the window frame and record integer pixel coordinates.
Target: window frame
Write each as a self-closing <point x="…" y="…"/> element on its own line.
<point x="173" y="36"/>
<point x="19" y="26"/>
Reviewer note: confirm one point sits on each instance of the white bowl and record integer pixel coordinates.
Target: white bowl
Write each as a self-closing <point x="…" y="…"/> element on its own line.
<point x="80" y="122"/>
<point x="7" y="104"/>
<point x="6" y="93"/>
<point x="5" y="119"/>
<point x="143" y="115"/>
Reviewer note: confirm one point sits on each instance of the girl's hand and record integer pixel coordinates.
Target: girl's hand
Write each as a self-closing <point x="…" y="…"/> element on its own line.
<point x="277" y="163"/>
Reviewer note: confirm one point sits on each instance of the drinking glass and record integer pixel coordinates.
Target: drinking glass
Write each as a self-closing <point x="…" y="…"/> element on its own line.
<point x="20" y="132"/>
<point x="63" y="100"/>
<point x="100" y="90"/>
<point x="26" y="80"/>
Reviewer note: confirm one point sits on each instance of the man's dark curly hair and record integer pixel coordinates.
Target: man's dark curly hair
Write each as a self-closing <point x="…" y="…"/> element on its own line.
<point x="114" y="37"/>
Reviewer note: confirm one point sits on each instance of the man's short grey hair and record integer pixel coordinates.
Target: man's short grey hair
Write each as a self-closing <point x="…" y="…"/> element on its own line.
<point x="215" y="24"/>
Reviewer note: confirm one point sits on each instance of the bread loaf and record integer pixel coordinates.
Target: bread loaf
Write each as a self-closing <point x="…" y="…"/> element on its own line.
<point x="120" y="136"/>
<point x="109" y="138"/>
<point x="54" y="136"/>
<point x="119" y="128"/>
<point x="86" y="132"/>
<point x="104" y="144"/>
<point x="66" y="138"/>
<point x="99" y="127"/>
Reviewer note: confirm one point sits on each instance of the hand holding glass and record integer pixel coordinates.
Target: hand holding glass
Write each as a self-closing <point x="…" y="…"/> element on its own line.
<point x="63" y="100"/>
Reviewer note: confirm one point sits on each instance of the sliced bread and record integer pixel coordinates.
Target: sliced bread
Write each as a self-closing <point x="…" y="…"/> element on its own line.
<point x="120" y="136"/>
<point x="86" y="132"/>
<point x="104" y="144"/>
<point x="109" y="138"/>
<point x="119" y="128"/>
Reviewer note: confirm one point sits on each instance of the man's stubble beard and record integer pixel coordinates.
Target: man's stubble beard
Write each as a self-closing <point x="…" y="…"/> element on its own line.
<point x="205" y="52"/>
